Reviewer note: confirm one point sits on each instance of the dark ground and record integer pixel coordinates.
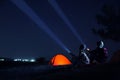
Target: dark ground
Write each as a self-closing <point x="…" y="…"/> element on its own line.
<point x="33" y="71"/>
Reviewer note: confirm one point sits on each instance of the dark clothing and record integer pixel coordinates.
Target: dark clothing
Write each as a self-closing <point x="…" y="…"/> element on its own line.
<point x="82" y="58"/>
<point x="99" y="55"/>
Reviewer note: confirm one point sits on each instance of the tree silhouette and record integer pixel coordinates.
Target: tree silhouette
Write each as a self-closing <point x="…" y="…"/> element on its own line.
<point x="109" y="20"/>
<point x="2" y="2"/>
<point x="41" y="60"/>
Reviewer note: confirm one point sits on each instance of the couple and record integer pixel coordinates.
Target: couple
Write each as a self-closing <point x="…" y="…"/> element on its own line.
<point x="98" y="55"/>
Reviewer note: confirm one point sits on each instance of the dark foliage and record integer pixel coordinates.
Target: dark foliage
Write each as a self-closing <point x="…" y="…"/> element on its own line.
<point x="41" y="60"/>
<point x="110" y="21"/>
<point x="2" y="2"/>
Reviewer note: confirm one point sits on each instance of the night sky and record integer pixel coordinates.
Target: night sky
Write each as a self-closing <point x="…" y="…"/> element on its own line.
<point x="20" y="36"/>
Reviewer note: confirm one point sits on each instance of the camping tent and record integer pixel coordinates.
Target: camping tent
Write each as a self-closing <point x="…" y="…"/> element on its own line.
<point x="59" y="60"/>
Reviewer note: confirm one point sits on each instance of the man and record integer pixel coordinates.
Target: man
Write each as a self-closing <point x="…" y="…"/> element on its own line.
<point x="82" y="55"/>
<point x="82" y="58"/>
<point x="100" y="54"/>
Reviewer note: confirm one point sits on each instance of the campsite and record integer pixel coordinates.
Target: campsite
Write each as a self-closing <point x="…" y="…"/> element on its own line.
<point x="59" y="39"/>
<point x="58" y="68"/>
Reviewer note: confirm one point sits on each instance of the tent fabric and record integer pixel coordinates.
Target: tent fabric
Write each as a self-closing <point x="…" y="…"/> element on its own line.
<point x="59" y="60"/>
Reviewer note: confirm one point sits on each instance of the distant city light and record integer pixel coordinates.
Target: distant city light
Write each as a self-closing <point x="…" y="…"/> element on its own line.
<point x="25" y="60"/>
<point x="32" y="60"/>
<point x="2" y="60"/>
<point x="15" y="60"/>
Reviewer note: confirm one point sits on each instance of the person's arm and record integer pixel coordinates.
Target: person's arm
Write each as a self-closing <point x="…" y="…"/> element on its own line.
<point x="84" y="58"/>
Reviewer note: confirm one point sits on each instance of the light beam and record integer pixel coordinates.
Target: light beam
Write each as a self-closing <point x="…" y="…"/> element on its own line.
<point x="65" y="19"/>
<point x="31" y="14"/>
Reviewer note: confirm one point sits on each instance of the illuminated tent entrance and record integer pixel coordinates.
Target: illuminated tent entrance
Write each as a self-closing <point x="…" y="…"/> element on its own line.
<point x="60" y="60"/>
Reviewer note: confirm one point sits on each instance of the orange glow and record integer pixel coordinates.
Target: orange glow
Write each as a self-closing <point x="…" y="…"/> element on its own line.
<point x="60" y="59"/>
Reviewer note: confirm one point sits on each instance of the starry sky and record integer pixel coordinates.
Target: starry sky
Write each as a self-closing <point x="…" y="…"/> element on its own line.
<point x="20" y="37"/>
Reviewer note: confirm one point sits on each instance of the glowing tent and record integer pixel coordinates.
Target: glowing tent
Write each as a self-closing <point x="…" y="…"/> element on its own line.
<point x="60" y="60"/>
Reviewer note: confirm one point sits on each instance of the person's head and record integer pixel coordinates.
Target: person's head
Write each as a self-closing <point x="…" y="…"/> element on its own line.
<point x="82" y="47"/>
<point x="100" y="44"/>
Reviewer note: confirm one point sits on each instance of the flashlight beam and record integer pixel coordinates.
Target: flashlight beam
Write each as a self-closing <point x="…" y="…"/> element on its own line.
<point x="31" y="14"/>
<point x="65" y="19"/>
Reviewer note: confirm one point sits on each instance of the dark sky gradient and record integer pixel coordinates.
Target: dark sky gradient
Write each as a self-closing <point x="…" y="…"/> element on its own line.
<point x="20" y="37"/>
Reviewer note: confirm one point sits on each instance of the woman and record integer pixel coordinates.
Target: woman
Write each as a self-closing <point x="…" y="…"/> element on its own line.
<point x="82" y="55"/>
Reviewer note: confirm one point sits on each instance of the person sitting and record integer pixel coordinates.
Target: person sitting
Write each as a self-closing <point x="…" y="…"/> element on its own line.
<point x="100" y="54"/>
<point x="82" y="57"/>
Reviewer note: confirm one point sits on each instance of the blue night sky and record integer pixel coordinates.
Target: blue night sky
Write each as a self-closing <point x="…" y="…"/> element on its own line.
<point x="20" y="36"/>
